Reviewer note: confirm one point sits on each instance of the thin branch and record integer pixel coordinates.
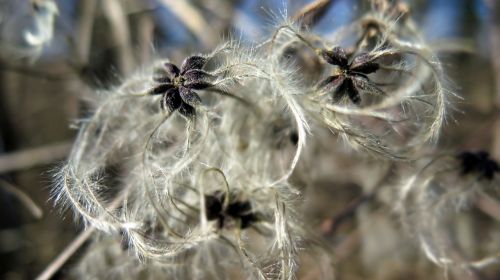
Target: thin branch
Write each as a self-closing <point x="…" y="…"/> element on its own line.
<point x="35" y="210"/>
<point x="51" y="76"/>
<point x="71" y="249"/>
<point x="145" y="30"/>
<point x="56" y="264"/>
<point x="120" y="34"/>
<point x="489" y="206"/>
<point x="84" y="30"/>
<point x="495" y="45"/>
<point x="312" y="13"/>
<point x="348" y="212"/>
<point x="28" y="158"/>
<point x="193" y="20"/>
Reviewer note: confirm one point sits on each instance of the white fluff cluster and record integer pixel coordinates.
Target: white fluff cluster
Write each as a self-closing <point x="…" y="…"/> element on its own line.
<point x="431" y="202"/>
<point x="402" y="107"/>
<point x="167" y="166"/>
<point x="201" y="193"/>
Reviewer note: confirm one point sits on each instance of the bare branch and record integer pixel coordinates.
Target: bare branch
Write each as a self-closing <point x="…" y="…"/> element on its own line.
<point x="35" y="210"/>
<point x="84" y="30"/>
<point x="28" y="158"/>
<point x="66" y="254"/>
<point x="120" y="34"/>
<point x="62" y="258"/>
<point x="193" y="20"/>
<point x="312" y="13"/>
<point x="489" y="206"/>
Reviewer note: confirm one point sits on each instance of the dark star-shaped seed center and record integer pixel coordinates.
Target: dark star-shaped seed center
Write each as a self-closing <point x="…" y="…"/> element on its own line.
<point x="216" y="210"/>
<point x="351" y="77"/>
<point x="177" y="86"/>
<point x="479" y="163"/>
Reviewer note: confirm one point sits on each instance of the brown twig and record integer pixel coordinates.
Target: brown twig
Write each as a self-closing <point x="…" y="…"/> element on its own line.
<point x="35" y="210"/>
<point x="349" y="211"/>
<point x="64" y="256"/>
<point x="145" y="30"/>
<point x="489" y="206"/>
<point x="312" y="13"/>
<point x="28" y="158"/>
<point x="193" y="20"/>
<point x="51" y="76"/>
<point x="120" y="34"/>
<point x="84" y="30"/>
<point x="495" y="45"/>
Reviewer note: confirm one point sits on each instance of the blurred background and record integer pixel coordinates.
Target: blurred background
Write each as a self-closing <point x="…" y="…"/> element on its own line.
<point x="55" y="55"/>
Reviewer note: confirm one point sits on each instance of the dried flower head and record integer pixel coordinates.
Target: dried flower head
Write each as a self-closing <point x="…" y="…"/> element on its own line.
<point x="430" y="201"/>
<point x="406" y="102"/>
<point x="351" y="77"/>
<point x="176" y="86"/>
<point x="188" y="187"/>
<point x="479" y="163"/>
<point x="219" y="208"/>
<point x="205" y="179"/>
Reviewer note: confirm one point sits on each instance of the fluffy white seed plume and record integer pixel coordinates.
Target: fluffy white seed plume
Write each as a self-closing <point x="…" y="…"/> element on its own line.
<point x="191" y="163"/>
<point x="385" y="94"/>
<point x="193" y="159"/>
<point x="431" y="202"/>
